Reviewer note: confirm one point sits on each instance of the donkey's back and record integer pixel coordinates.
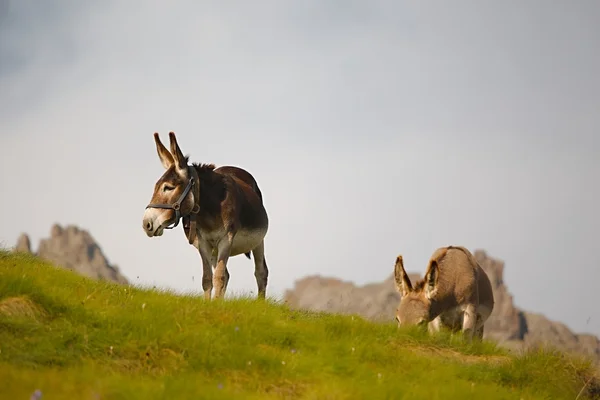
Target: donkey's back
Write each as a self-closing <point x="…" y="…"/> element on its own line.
<point x="242" y="175"/>
<point x="463" y="286"/>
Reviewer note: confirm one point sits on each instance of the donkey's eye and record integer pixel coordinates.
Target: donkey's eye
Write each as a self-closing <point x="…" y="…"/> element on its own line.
<point x="167" y="188"/>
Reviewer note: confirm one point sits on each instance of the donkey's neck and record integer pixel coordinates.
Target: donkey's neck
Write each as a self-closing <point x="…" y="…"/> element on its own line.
<point x="212" y="188"/>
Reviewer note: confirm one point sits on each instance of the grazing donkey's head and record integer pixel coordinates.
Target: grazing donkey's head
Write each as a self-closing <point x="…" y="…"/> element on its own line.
<point x="415" y="303"/>
<point x="173" y="192"/>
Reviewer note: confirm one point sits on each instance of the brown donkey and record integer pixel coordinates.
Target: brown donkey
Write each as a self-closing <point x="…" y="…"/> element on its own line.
<point x="222" y="211"/>
<point x="455" y="293"/>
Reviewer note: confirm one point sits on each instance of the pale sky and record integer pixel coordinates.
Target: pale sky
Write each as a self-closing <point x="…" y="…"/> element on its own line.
<point x="372" y="127"/>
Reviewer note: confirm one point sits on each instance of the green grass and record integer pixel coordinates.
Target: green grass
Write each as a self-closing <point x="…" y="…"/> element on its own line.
<point x="76" y="338"/>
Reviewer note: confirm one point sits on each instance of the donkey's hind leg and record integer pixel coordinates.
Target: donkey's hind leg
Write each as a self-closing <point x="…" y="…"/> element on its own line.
<point x="483" y="313"/>
<point x="261" y="272"/>
<point x="469" y="321"/>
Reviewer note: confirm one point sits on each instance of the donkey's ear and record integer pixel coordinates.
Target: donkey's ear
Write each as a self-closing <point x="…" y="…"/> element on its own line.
<point x="165" y="157"/>
<point x="180" y="160"/>
<point x="403" y="285"/>
<point x="431" y="279"/>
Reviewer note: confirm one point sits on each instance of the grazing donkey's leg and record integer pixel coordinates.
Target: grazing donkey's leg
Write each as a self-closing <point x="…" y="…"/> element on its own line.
<point x="479" y="332"/>
<point x="221" y="275"/>
<point x="483" y="313"/>
<point x="206" y="253"/>
<point x="261" y="272"/>
<point x="469" y="320"/>
<point x="435" y="325"/>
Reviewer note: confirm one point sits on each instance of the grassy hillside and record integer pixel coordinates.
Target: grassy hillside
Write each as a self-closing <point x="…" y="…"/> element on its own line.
<point x="75" y="338"/>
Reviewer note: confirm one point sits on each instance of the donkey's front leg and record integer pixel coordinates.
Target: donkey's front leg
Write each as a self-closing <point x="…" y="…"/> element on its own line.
<point x="206" y="252"/>
<point x="221" y="275"/>
<point x="435" y="325"/>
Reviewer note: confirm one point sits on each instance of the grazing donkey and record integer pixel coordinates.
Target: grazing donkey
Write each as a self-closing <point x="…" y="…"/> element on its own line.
<point x="455" y="293"/>
<point x="222" y="211"/>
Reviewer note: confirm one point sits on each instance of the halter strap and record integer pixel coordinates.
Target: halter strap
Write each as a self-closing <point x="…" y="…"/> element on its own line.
<point x="176" y="206"/>
<point x="193" y="216"/>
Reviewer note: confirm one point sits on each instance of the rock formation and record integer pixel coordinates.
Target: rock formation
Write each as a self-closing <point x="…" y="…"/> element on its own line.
<point x="23" y="244"/>
<point x="74" y="249"/>
<point x="508" y="325"/>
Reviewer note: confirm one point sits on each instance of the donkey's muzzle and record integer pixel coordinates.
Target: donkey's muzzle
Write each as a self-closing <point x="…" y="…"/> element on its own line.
<point x="148" y="225"/>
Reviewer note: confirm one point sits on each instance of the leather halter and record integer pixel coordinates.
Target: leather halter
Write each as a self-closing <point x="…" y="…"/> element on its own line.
<point x="176" y="206"/>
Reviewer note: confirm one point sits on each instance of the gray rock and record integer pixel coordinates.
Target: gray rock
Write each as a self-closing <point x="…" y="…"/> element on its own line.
<point x="74" y="249"/>
<point x="23" y="244"/>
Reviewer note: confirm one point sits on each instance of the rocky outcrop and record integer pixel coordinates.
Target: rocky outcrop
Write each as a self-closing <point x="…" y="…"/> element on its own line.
<point x="23" y="244"/>
<point x="506" y="322"/>
<point x="375" y="301"/>
<point x="74" y="249"/>
<point x="541" y="330"/>
<point x="508" y="325"/>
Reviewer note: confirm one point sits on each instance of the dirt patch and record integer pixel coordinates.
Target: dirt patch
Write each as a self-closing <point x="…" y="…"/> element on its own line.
<point x="21" y="307"/>
<point x="457" y="356"/>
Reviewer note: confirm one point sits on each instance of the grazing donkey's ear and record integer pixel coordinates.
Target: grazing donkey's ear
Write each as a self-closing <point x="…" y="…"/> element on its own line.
<point x="403" y="285"/>
<point x="180" y="160"/>
<point x="431" y="279"/>
<point x="165" y="157"/>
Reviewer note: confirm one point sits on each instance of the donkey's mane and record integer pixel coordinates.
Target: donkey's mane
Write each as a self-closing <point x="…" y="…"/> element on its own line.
<point x="203" y="168"/>
<point x="206" y="173"/>
<point x="419" y="286"/>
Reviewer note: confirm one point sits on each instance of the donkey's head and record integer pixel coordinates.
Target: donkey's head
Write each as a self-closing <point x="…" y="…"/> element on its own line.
<point x="173" y="195"/>
<point x="415" y="303"/>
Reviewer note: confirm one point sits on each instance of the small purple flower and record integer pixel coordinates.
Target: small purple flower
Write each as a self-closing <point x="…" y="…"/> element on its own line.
<point x="37" y="395"/>
<point x="237" y="328"/>
<point x="220" y="386"/>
